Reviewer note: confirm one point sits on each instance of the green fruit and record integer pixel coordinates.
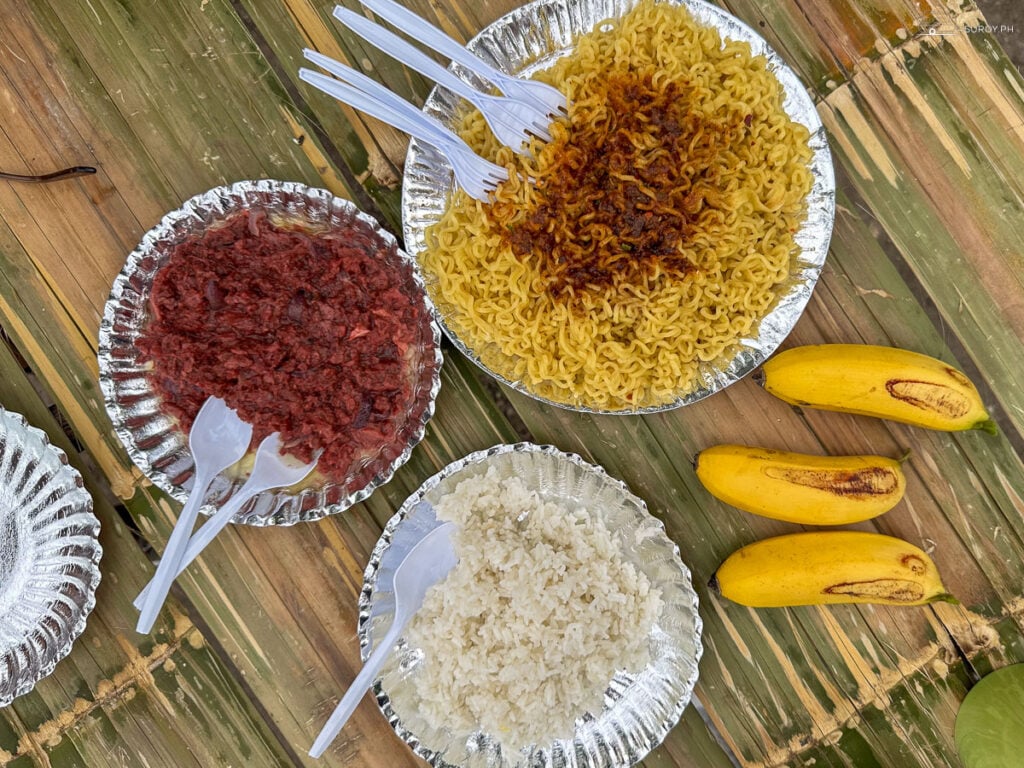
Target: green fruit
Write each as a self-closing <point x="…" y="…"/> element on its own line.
<point x="989" y="728"/>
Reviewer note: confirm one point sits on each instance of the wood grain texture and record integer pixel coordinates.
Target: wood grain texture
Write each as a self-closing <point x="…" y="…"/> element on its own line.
<point x="801" y="687"/>
<point x="168" y="99"/>
<point x="119" y="695"/>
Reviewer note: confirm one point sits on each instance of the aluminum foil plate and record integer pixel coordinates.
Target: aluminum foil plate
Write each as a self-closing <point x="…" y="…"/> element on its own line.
<point x="49" y="556"/>
<point x="530" y="39"/>
<point x="156" y="442"/>
<point x="639" y="710"/>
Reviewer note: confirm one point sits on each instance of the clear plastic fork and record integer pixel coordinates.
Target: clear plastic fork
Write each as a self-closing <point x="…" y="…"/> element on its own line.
<point x="544" y="97"/>
<point x="473" y="173"/>
<point x="511" y="121"/>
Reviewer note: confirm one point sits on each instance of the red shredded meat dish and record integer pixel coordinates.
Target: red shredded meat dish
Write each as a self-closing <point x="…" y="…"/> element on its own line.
<point x="313" y="336"/>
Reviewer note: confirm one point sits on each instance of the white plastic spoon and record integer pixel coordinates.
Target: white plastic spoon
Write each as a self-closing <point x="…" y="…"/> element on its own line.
<point x="425" y="565"/>
<point x="269" y="470"/>
<point x="218" y="439"/>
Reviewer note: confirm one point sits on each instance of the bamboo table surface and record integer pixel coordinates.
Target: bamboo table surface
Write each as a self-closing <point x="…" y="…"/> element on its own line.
<point x="926" y="122"/>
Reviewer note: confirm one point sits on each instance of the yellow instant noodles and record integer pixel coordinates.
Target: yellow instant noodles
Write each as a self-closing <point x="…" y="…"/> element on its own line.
<point x="655" y="231"/>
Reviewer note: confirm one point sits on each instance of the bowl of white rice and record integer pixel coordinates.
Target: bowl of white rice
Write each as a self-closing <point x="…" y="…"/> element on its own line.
<point x="567" y="635"/>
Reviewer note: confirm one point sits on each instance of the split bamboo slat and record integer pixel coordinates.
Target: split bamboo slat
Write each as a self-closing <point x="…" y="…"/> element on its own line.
<point x="926" y="122"/>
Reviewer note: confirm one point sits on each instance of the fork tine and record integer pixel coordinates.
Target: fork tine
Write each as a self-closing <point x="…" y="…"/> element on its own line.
<point x="475" y="188"/>
<point x="470" y="174"/>
<point x="543" y="97"/>
<point x="537" y="134"/>
<point x="507" y="118"/>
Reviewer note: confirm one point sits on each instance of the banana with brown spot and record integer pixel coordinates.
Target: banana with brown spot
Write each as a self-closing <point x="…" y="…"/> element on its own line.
<point x="825" y="567"/>
<point x="885" y="382"/>
<point x="801" y="488"/>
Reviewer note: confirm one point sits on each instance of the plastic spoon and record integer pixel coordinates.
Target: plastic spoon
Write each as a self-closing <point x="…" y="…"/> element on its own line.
<point x="425" y="565"/>
<point x="270" y="470"/>
<point x="218" y="439"/>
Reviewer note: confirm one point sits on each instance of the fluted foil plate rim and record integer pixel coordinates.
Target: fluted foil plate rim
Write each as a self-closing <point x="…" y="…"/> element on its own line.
<point x="43" y="501"/>
<point x="153" y="441"/>
<point x="531" y="38"/>
<point x="610" y="738"/>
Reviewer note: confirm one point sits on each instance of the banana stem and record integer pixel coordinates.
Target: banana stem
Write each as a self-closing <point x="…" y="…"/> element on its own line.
<point x="988" y="426"/>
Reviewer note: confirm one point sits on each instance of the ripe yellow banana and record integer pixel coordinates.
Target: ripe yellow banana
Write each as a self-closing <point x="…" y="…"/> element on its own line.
<point x="885" y="382"/>
<point x="829" y="567"/>
<point x="815" y="490"/>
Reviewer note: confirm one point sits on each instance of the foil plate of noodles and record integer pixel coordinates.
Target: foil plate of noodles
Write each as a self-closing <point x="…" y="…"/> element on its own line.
<point x="529" y="40"/>
<point x="639" y="708"/>
<point x="49" y="556"/>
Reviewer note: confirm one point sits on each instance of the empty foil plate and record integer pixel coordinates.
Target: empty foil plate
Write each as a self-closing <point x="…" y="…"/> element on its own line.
<point x="49" y="556"/>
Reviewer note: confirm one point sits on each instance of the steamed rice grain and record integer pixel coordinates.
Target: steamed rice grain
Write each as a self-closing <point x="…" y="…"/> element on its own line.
<point x="531" y="626"/>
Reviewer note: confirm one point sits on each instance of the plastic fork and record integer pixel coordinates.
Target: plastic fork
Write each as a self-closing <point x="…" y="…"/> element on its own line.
<point x="473" y="173"/>
<point x="217" y="440"/>
<point x="426" y="564"/>
<point x="542" y="96"/>
<point x="511" y="121"/>
<point x="269" y="470"/>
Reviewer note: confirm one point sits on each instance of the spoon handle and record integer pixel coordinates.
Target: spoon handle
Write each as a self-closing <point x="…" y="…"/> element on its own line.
<point x="199" y="541"/>
<point x="151" y="599"/>
<point x="355" y="692"/>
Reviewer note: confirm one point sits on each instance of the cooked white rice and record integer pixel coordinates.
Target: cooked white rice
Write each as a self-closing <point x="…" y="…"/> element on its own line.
<point x="529" y="629"/>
